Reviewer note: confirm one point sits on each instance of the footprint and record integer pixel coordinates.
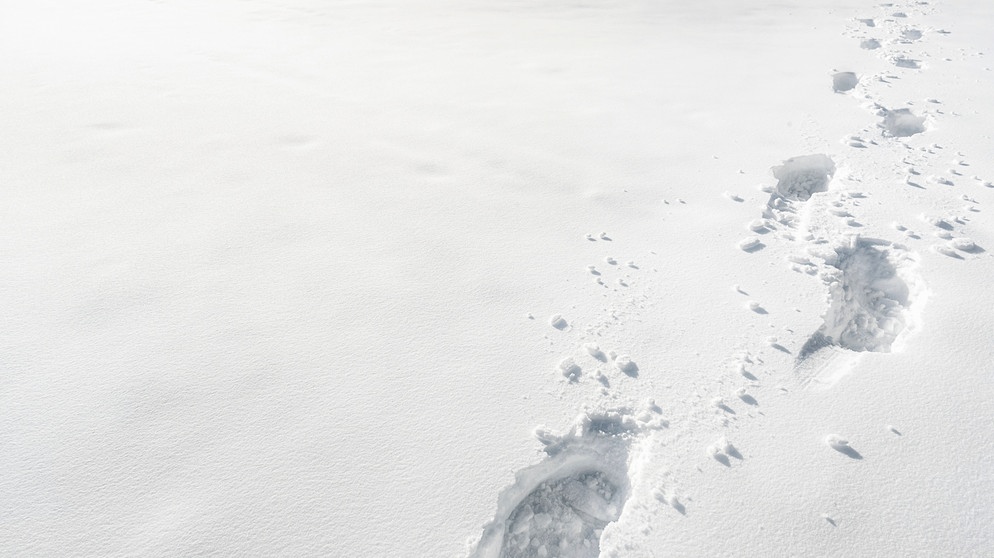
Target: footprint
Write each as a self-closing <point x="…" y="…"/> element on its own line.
<point x="844" y="81"/>
<point x="872" y="290"/>
<point x="902" y="123"/>
<point x="911" y="35"/>
<point x="560" y="506"/>
<point x="869" y="44"/>
<point x="800" y="177"/>
<point x="905" y="62"/>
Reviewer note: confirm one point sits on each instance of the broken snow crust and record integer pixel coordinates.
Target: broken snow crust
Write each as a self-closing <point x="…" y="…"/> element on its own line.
<point x="800" y="177"/>
<point x="872" y="287"/>
<point x="563" y="504"/>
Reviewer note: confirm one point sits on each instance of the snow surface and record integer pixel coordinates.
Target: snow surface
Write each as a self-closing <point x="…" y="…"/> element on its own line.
<point x="479" y="278"/>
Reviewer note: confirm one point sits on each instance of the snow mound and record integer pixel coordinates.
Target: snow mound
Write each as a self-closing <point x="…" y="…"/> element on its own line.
<point x="874" y="296"/>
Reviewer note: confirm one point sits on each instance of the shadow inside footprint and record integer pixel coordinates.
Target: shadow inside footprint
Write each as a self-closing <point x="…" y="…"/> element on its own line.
<point x="560" y="506"/>
<point x="563" y="517"/>
<point x="871" y="291"/>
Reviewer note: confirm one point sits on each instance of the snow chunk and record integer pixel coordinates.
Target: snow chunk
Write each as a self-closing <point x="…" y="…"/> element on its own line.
<point x="626" y="365"/>
<point x="570" y="370"/>
<point x="595" y="351"/>
<point x="750" y="244"/>
<point x="963" y="243"/>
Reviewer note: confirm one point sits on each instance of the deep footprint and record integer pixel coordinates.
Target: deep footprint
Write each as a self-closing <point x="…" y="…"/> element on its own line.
<point x="901" y="123"/>
<point x="561" y="506"/>
<point x="564" y="517"/>
<point x="798" y="178"/>
<point x="872" y="288"/>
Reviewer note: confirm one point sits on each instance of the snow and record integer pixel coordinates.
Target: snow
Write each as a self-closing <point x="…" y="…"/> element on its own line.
<point x="440" y="278"/>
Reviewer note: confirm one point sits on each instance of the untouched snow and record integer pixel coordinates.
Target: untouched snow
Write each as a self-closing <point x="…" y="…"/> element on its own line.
<point x="497" y="279"/>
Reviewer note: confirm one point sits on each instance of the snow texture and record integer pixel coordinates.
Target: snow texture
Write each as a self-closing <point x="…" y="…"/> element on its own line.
<point x="300" y="278"/>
